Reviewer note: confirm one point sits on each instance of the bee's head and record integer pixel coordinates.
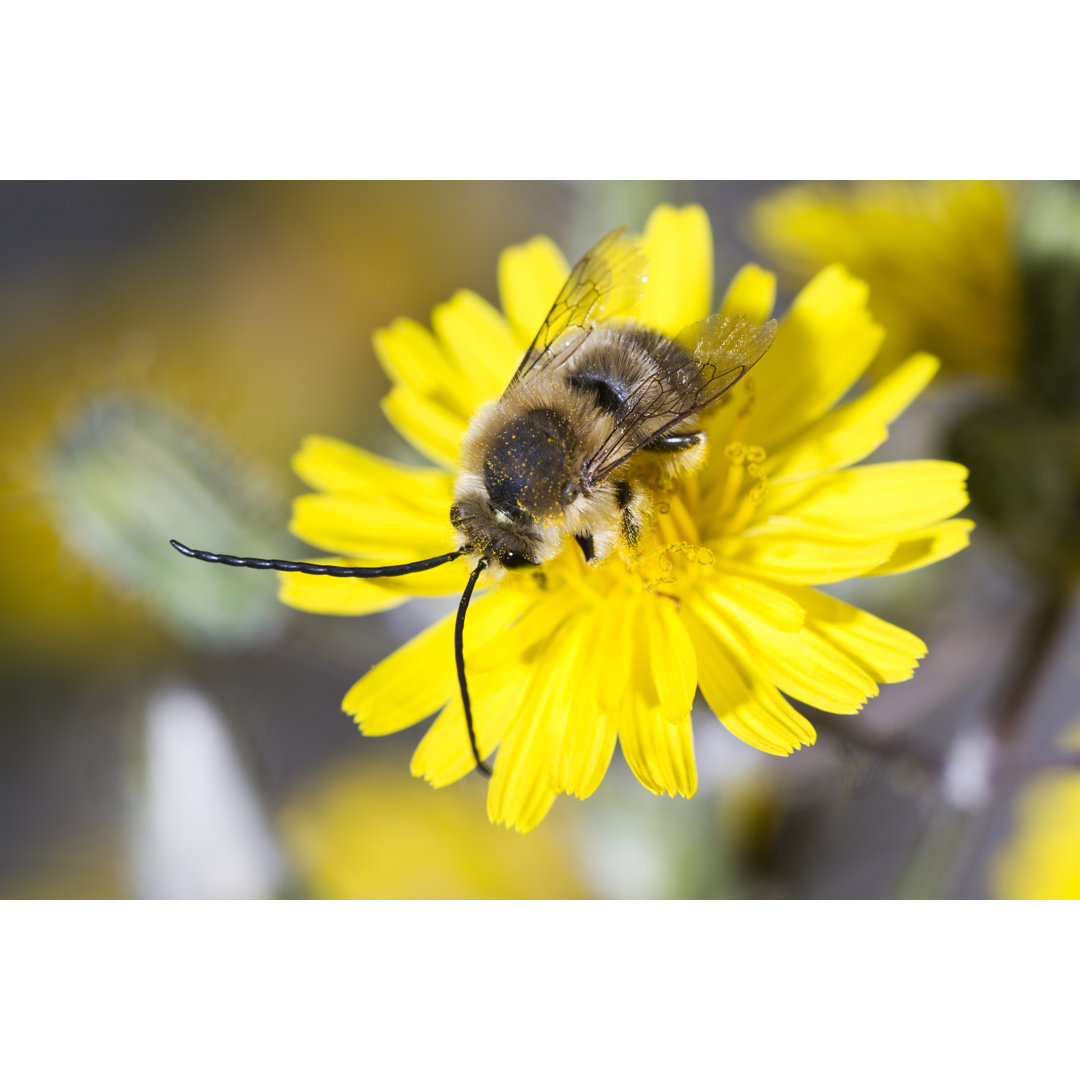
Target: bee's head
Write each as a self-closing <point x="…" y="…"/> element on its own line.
<point x="502" y="533"/>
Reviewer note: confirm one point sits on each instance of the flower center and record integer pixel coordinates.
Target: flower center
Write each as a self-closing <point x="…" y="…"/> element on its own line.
<point x="692" y="515"/>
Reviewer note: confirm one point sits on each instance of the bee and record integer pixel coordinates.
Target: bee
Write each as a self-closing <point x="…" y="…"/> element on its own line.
<point x="597" y="403"/>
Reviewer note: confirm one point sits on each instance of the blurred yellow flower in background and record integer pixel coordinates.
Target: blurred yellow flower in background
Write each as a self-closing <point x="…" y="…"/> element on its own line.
<point x="986" y="276"/>
<point x="357" y="833"/>
<point x="565" y="662"/>
<point x="938" y="256"/>
<point x="1041" y="860"/>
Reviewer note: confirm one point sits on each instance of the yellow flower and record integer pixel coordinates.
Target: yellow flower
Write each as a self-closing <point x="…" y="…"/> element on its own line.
<point x="1041" y="861"/>
<point x="564" y="662"/>
<point x="356" y="833"/>
<point x="938" y="257"/>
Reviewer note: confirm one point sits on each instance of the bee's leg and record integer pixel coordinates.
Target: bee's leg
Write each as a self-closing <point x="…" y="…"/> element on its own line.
<point x="676" y="443"/>
<point x="632" y="505"/>
<point x="588" y="549"/>
<point x="618" y="512"/>
<point x="678" y="451"/>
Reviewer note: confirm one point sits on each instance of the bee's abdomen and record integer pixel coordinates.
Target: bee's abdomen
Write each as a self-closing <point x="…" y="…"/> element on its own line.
<point x="622" y="365"/>
<point x="527" y="463"/>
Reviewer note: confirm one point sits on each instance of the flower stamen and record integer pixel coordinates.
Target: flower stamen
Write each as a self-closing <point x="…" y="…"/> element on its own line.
<point x="735" y="452"/>
<point x="744" y="462"/>
<point x="745" y="510"/>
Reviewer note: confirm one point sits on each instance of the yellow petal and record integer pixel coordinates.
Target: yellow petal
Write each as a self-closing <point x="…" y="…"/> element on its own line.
<point x="392" y="696"/>
<point x="435" y="431"/>
<point x="848" y="434"/>
<point x="659" y="750"/>
<point x="444" y="755"/>
<point x="478" y="339"/>
<point x="528" y="634"/>
<point x="332" y="465"/>
<point x="521" y="790"/>
<point x="678" y="243"/>
<point x="530" y="277"/>
<point x="617" y="645"/>
<point x="767" y="602"/>
<point x="752" y="293"/>
<point x="336" y="596"/>
<point x="582" y="756"/>
<point x="801" y="558"/>
<point x="888" y="653"/>
<point x="745" y="703"/>
<point x="498" y="674"/>
<point x="522" y="798"/>
<point x="802" y="664"/>
<point x="926" y="546"/>
<point x="825" y="343"/>
<point x="872" y="500"/>
<point x="673" y="660"/>
<point x="585" y="753"/>
<point x="412" y="358"/>
<point x="354" y="525"/>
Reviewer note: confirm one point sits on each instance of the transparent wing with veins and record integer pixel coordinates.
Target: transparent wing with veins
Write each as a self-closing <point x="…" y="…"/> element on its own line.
<point x="723" y="348"/>
<point x="606" y="283"/>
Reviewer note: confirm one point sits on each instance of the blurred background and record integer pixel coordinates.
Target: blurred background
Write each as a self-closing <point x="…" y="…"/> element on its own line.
<point x="164" y="348"/>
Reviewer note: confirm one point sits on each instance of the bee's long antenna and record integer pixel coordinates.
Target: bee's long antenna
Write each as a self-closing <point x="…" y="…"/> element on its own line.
<point x="319" y="568"/>
<point x="459" y="657"/>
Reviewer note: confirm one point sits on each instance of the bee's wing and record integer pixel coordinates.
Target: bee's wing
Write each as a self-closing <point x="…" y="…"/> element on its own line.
<point x="723" y="347"/>
<point x="606" y="283"/>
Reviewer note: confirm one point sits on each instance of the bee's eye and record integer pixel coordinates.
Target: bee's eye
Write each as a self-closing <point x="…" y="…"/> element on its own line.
<point x="513" y="560"/>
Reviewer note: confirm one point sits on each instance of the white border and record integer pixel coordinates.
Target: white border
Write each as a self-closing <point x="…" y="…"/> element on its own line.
<point x="567" y="990"/>
<point x="566" y="89"/>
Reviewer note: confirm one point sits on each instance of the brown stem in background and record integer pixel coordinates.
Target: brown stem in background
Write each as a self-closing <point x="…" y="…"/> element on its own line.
<point x="1004" y="724"/>
<point x="1035" y="644"/>
<point x="1036" y="651"/>
<point x="941" y="863"/>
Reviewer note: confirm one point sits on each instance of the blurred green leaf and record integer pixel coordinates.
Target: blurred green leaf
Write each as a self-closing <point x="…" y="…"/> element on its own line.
<point x="124" y="476"/>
